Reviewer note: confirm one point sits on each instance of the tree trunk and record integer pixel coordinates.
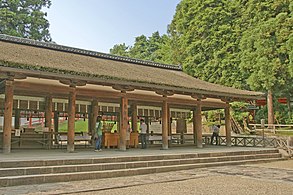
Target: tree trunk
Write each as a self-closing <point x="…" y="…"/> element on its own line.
<point x="270" y="109"/>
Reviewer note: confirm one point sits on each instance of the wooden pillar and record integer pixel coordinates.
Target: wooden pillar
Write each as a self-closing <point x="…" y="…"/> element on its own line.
<point x="165" y="124"/>
<point x="134" y="118"/>
<point x="8" y="106"/>
<point x="123" y="122"/>
<point x="198" y="125"/>
<point x="17" y="119"/>
<point x="228" y="125"/>
<point x="94" y="115"/>
<point x="194" y="127"/>
<point x="71" y="118"/>
<point x="169" y="127"/>
<point x="48" y="112"/>
<point x="56" y="125"/>
<point x="48" y="118"/>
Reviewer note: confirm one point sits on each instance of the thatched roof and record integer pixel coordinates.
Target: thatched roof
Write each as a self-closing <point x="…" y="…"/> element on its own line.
<point x="63" y="61"/>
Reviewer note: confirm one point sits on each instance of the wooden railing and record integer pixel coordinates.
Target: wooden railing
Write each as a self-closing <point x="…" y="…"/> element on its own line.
<point x="285" y="145"/>
<point x="245" y="141"/>
<point x="254" y="141"/>
<point x="272" y="127"/>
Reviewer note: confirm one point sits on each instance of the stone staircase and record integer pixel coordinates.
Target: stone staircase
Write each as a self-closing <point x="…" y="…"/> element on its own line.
<point x="28" y="172"/>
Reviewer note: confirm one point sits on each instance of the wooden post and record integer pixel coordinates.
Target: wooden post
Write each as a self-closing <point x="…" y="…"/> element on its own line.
<point x="198" y="125"/>
<point x="48" y="112"/>
<point x="165" y="124"/>
<point x="194" y="127"/>
<point x="123" y="121"/>
<point x="71" y="119"/>
<point x="169" y="127"/>
<point x="17" y="119"/>
<point x="134" y="117"/>
<point x="56" y="125"/>
<point x="94" y="115"/>
<point x="228" y="125"/>
<point x="48" y="118"/>
<point x="8" y="106"/>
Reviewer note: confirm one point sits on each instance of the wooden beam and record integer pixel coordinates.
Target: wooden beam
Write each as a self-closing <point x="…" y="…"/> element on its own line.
<point x="123" y="88"/>
<point x="62" y="91"/>
<point x="164" y="92"/>
<point x="72" y="82"/>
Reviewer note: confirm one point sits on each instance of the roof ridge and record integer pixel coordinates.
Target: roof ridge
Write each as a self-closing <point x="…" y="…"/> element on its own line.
<point x="54" y="46"/>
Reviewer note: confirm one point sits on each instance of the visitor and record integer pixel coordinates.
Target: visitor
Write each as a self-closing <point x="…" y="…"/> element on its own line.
<point x="216" y="130"/>
<point x="128" y="131"/>
<point x="143" y="134"/>
<point x="98" y="135"/>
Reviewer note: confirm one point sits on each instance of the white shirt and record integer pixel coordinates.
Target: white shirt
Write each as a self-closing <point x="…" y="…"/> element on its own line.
<point x="143" y="128"/>
<point x="215" y="129"/>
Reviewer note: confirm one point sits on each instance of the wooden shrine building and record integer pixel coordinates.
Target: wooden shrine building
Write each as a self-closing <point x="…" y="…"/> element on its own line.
<point x="45" y="72"/>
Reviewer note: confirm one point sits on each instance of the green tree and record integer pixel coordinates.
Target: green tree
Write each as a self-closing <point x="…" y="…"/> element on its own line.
<point x="25" y="18"/>
<point x="265" y="47"/>
<point x="155" y="48"/>
<point x="120" y="50"/>
<point x="205" y="39"/>
<point x="140" y="48"/>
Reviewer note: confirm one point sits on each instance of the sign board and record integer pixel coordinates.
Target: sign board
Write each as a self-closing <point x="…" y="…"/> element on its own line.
<point x="46" y="129"/>
<point x="17" y="133"/>
<point x="252" y="107"/>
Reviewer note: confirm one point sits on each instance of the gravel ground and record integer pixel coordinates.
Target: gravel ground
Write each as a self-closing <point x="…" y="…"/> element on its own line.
<point x="269" y="179"/>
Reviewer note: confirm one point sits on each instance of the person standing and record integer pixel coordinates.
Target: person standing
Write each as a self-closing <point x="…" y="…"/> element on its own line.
<point x="143" y="134"/>
<point x="128" y="132"/>
<point x="216" y="130"/>
<point x="98" y="135"/>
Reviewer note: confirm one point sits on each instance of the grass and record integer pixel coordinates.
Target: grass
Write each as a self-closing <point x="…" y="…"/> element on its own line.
<point x="80" y="126"/>
<point x="289" y="133"/>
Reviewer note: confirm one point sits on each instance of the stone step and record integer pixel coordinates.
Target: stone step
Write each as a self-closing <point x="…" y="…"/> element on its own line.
<point x="50" y="162"/>
<point x="65" y="177"/>
<point x="125" y="165"/>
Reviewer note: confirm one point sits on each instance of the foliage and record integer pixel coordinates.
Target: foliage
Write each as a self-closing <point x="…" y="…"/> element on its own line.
<point x="154" y="48"/>
<point x="281" y="114"/>
<point x="239" y="111"/>
<point x="265" y="53"/>
<point x="205" y="34"/>
<point x="25" y="18"/>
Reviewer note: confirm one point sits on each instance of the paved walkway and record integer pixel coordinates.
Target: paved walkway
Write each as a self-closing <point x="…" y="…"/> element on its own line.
<point x="241" y="180"/>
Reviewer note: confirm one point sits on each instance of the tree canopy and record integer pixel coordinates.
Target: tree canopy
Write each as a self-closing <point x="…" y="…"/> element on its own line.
<point x="25" y="18"/>
<point x="155" y="48"/>
<point x="265" y="45"/>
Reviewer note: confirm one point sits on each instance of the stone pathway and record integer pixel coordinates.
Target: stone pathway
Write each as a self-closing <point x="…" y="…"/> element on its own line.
<point x="246" y="179"/>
